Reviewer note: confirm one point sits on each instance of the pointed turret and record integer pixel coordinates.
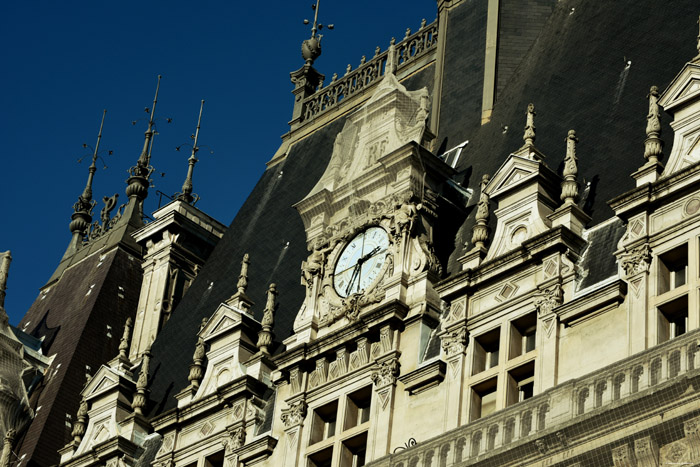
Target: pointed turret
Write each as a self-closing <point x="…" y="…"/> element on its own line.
<point x="186" y="194"/>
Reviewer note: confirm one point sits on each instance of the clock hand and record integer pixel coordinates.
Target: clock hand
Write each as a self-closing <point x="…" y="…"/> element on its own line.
<point x="355" y="272"/>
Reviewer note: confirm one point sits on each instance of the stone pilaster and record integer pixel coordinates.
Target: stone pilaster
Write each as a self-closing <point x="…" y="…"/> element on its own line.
<point x="635" y="263"/>
<point x="547" y="335"/>
<point x="454" y="346"/>
<point x="384" y="377"/>
<point x="293" y="419"/>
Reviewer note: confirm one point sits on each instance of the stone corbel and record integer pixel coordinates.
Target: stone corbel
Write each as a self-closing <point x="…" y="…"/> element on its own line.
<point x="454" y="342"/>
<point x="547" y="299"/>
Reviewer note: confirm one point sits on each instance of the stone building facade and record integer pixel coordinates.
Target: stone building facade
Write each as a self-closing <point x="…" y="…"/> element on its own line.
<point x="449" y="289"/>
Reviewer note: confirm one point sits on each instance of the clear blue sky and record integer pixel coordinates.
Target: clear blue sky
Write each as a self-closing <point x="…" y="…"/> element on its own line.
<point x="66" y="61"/>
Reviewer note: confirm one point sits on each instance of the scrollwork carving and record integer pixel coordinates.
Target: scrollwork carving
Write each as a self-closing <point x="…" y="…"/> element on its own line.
<point x="548" y="299"/>
<point x="294" y="414"/>
<point x="385" y="373"/>
<point x="455" y="342"/>
<point x="636" y="260"/>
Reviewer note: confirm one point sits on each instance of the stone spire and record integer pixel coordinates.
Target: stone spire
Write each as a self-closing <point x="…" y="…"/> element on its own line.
<point x="529" y="135"/>
<point x="5" y="260"/>
<point x="82" y="209"/>
<point x="653" y="146"/>
<point x="242" y="284"/>
<point x="268" y="319"/>
<point x="196" y="368"/>
<point x="80" y="423"/>
<point x="139" y="401"/>
<point x="186" y="194"/>
<point x="569" y="187"/>
<point x="125" y="340"/>
<point x="480" y="232"/>
<point x="138" y="182"/>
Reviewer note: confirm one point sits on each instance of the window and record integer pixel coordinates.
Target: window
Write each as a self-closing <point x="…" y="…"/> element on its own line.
<point x="323" y="423"/>
<point x="521" y="383"/>
<point x="215" y="460"/>
<point x="523" y="335"/>
<point x="357" y="408"/>
<point x="673" y="318"/>
<point x="339" y="431"/>
<point x="484" y="399"/>
<point x="673" y="269"/>
<point x="486" y="351"/>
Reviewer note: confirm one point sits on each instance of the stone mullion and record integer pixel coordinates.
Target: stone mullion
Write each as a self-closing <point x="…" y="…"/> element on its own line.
<point x="693" y="280"/>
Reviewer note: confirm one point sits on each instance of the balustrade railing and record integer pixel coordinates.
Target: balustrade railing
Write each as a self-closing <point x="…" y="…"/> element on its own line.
<point x="408" y="50"/>
<point x="546" y="411"/>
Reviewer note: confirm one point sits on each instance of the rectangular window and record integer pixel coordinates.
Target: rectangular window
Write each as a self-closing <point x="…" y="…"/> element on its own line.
<point x="486" y="351"/>
<point x="523" y="335"/>
<point x="354" y="451"/>
<point x="323" y="423"/>
<point x="484" y="399"/>
<point x="673" y="269"/>
<point x="357" y="408"/>
<point x="321" y="458"/>
<point x="521" y="383"/>
<point x="673" y="319"/>
<point x="215" y="460"/>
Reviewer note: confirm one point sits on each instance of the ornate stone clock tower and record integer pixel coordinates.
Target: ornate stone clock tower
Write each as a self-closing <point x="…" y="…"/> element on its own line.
<point x="369" y="279"/>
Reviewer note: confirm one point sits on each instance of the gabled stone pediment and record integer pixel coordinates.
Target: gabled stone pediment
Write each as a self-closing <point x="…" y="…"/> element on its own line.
<point x="224" y="319"/>
<point x="105" y="379"/>
<point x="682" y="100"/>
<point x="684" y="87"/>
<point x="514" y="172"/>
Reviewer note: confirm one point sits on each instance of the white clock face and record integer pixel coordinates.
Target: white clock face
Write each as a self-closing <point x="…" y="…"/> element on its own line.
<point x="361" y="261"/>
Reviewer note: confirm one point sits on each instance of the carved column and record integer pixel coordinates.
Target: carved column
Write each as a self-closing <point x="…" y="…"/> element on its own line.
<point x="454" y="345"/>
<point x="547" y="336"/>
<point x="635" y="263"/>
<point x="384" y="377"/>
<point x="293" y="419"/>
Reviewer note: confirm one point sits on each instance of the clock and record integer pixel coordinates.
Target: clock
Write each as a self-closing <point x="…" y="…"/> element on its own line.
<point x="361" y="261"/>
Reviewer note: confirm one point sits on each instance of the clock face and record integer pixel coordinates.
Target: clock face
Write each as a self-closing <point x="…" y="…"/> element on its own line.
<point x="361" y="261"/>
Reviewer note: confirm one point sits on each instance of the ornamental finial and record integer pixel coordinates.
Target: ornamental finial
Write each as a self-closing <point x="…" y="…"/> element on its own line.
<point x="139" y="401"/>
<point x="311" y="48"/>
<point x="126" y="339"/>
<point x="79" y="425"/>
<point x="569" y="187"/>
<point x="186" y="194"/>
<point x="529" y="136"/>
<point x="480" y="233"/>
<point x="196" y="368"/>
<point x="698" y="46"/>
<point x="242" y="284"/>
<point x="653" y="146"/>
<point x="5" y="260"/>
<point x="268" y="319"/>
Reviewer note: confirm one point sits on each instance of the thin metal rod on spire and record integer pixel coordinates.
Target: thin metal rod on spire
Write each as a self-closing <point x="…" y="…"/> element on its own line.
<point x="87" y="192"/>
<point x="145" y="158"/>
<point x="186" y="194"/>
<point x="314" y="27"/>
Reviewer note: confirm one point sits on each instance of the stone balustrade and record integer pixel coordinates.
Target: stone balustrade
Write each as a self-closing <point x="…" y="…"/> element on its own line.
<point x="408" y="50"/>
<point x="540" y="415"/>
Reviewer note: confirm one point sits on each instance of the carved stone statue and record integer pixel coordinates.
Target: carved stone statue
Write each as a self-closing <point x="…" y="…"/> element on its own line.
<point x="314" y="264"/>
<point x="529" y="136"/>
<point x="126" y="337"/>
<point x="653" y="146"/>
<point x="480" y="232"/>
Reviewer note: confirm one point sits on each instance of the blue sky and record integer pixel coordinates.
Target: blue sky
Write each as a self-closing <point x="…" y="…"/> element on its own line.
<point x="64" y="62"/>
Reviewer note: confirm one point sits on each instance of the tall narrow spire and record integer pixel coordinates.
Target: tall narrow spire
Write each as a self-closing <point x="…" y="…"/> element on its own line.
<point x="569" y="187"/>
<point x="653" y="146"/>
<point x="186" y="194"/>
<point x="138" y="182"/>
<point x="529" y="135"/>
<point x="82" y="209"/>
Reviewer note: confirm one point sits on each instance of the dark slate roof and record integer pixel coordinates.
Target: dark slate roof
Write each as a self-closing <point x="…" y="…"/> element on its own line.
<point x="598" y="261"/>
<point x="577" y="75"/>
<point x="75" y="324"/>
